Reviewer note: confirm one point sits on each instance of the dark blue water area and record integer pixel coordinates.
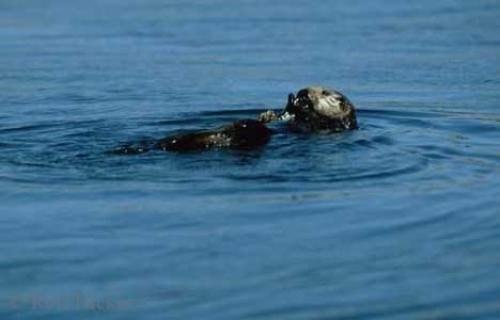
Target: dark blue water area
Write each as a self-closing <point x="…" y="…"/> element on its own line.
<point x="399" y="219"/>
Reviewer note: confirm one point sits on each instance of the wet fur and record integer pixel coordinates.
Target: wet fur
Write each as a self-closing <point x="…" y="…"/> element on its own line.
<point x="243" y="134"/>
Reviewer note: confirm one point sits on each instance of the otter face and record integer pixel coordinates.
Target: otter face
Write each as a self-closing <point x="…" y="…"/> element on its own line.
<point x="320" y="109"/>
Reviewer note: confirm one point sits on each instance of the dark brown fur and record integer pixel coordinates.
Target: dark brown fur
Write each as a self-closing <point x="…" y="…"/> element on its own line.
<point x="242" y="134"/>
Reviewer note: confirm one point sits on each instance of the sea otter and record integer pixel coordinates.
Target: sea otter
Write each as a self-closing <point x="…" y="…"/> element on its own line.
<point x="313" y="109"/>
<point x="316" y="109"/>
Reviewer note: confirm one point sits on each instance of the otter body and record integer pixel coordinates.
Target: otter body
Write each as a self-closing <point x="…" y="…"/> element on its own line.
<point x="242" y="134"/>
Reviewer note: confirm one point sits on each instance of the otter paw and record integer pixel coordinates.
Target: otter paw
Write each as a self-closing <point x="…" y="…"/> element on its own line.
<point x="268" y="116"/>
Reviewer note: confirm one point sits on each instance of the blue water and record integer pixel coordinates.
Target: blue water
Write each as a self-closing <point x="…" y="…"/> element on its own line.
<point x="399" y="219"/>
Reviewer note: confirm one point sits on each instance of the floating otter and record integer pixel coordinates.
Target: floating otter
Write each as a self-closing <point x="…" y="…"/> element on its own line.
<point x="313" y="109"/>
<point x="316" y="109"/>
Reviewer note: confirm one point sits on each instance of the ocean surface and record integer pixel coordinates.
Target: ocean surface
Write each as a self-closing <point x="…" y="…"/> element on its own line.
<point x="399" y="219"/>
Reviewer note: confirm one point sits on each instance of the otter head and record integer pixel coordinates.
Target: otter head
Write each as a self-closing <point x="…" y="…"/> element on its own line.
<point x="319" y="109"/>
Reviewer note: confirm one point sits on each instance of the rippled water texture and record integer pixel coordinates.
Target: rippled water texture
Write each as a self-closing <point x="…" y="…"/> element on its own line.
<point x="399" y="219"/>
